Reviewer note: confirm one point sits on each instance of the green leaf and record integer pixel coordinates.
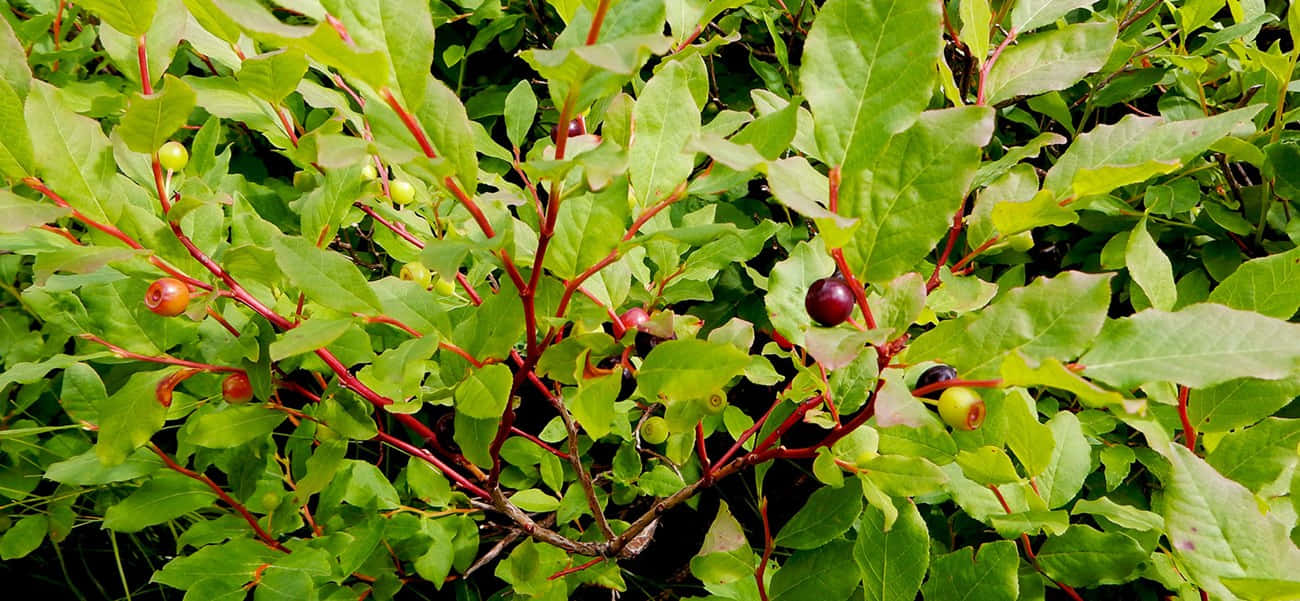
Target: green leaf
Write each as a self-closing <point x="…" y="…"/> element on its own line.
<point x="273" y="75"/>
<point x="1050" y="372"/>
<point x="1084" y="556"/>
<point x="151" y="120"/>
<point x="24" y="537"/>
<point x="1240" y="402"/>
<point x="1032" y="442"/>
<point x="520" y="110"/>
<point x="1050" y="61"/>
<point x="907" y="196"/>
<point x="1136" y="140"/>
<point x="989" y="575"/>
<point x="132" y="17"/>
<point x="485" y="392"/>
<point x="86" y="470"/>
<point x="1188" y="347"/>
<point x="443" y="117"/>
<point x="657" y="159"/>
<point x="828" y="513"/>
<point x="131" y="416"/>
<point x="164" y="497"/>
<point x="403" y="33"/>
<point x="1256" y="456"/>
<point x="534" y="500"/>
<point x="1012" y="217"/>
<point x="1124" y="515"/>
<point x="976" y="15"/>
<point x="892" y="560"/>
<point x="1216" y="530"/>
<point x="680" y="370"/>
<point x="589" y="227"/>
<point x="1012" y="525"/>
<point x="1150" y="268"/>
<point x="1049" y="318"/>
<point x="862" y="74"/>
<point x="1032" y="14"/>
<point x="312" y="334"/>
<point x="475" y="436"/>
<point x="325" y="277"/>
<point x="1092" y="182"/>
<point x="593" y="405"/>
<point x="816" y="575"/>
<point x="1267" y="285"/>
<point x="903" y="476"/>
<point x="72" y="155"/>
<point x="21" y="213"/>
<point x="233" y="426"/>
<point x="1070" y="463"/>
<point x="988" y="465"/>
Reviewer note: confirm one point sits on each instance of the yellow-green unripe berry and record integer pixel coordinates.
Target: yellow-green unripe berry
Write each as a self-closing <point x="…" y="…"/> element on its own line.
<point x="368" y="172"/>
<point x="173" y="156"/>
<point x="416" y="272"/>
<point x="655" y="430"/>
<point x="401" y="191"/>
<point x="444" y="286"/>
<point x="961" y="408"/>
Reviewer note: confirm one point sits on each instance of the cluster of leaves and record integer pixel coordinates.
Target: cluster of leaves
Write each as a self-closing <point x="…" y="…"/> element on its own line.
<point x="513" y="346"/>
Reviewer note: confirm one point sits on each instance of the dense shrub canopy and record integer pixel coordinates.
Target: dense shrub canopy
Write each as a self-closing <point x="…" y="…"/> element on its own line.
<point x="727" y="299"/>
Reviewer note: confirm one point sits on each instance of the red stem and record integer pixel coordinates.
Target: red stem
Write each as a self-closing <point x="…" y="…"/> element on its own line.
<point x="988" y="65"/>
<point x="266" y="537"/>
<point x="1029" y="549"/>
<point x="1189" y="431"/>
<point x="767" y="550"/>
<point x="597" y="19"/>
<point x="146" y="83"/>
<point x="953" y="233"/>
<point x="972" y="254"/>
<point x="575" y="569"/>
<point x="415" y="451"/>
<point x="705" y="467"/>
<point x="937" y="386"/>
<point x="163" y="359"/>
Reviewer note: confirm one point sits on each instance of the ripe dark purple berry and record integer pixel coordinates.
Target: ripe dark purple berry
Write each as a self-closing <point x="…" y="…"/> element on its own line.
<point x="829" y="301"/>
<point x="577" y="127"/>
<point x="934" y="375"/>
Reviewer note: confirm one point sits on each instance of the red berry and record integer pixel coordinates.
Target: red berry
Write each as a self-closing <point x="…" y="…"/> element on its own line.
<point x="633" y="318"/>
<point x="829" y="301"/>
<point x="236" y="389"/>
<point x="961" y="408"/>
<point x="167" y="297"/>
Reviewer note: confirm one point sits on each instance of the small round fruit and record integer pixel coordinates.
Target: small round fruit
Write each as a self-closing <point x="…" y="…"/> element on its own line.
<point x="401" y="191"/>
<point x="655" y="430"/>
<point x="934" y="375"/>
<point x="167" y="297"/>
<point x="633" y="318"/>
<point x="271" y="500"/>
<point x="444" y="286"/>
<point x="961" y="408"/>
<point x="236" y="389"/>
<point x="715" y="403"/>
<point x="829" y="301"/>
<point x="368" y="172"/>
<point x="173" y="156"/>
<point x="418" y="273"/>
<point x="577" y="127"/>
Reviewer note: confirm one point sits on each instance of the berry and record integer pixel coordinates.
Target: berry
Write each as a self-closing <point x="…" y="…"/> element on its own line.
<point x="418" y="273"/>
<point x="655" y="430"/>
<point x="715" y="403"/>
<point x="961" y="408"/>
<point x="173" y="156"/>
<point x="401" y="191"/>
<point x="444" y="286"/>
<point x="369" y="172"/>
<point x="829" y="301"/>
<point x="236" y="389"/>
<point x="633" y="318"/>
<point x="167" y="297"/>
<point x="270" y="500"/>
<point x="577" y="127"/>
<point x="934" y="375"/>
